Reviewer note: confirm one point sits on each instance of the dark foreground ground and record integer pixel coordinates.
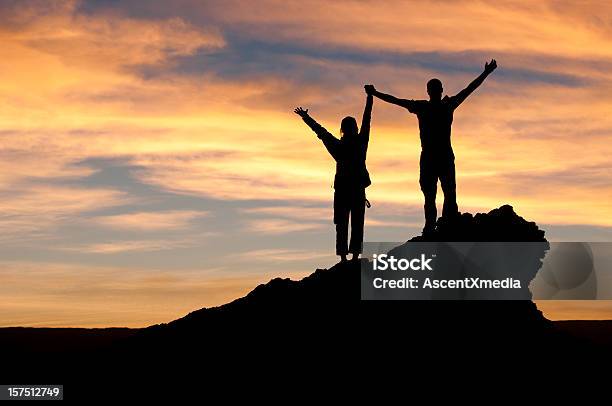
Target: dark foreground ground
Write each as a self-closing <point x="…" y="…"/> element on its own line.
<point x="316" y="332"/>
<point x="315" y="329"/>
<point x="597" y="333"/>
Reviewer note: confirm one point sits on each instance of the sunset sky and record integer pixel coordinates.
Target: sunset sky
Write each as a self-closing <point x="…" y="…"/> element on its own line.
<point x="151" y="164"/>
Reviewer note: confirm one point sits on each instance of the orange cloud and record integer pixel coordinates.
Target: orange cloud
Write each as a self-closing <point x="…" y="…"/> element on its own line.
<point x="576" y="309"/>
<point x="151" y="221"/>
<point x="119" y="246"/>
<point x="65" y="295"/>
<point x="280" y="226"/>
<point x="285" y="255"/>
<point x="430" y="26"/>
<point x="33" y="214"/>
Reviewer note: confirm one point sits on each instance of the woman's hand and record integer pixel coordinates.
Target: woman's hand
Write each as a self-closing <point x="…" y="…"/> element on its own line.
<point x="301" y="112"/>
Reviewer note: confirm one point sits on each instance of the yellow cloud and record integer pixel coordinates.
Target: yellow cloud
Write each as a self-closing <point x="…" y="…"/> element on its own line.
<point x="280" y="226"/>
<point x="115" y="247"/>
<point x="151" y="221"/>
<point x="285" y="255"/>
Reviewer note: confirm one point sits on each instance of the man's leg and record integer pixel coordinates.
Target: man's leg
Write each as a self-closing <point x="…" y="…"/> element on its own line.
<point x="449" y="188"/>
<point x="357" y="220"/>
<point x="428" y="179"/>
<point x="429" y="186"/>
<point x="341" y="219"/>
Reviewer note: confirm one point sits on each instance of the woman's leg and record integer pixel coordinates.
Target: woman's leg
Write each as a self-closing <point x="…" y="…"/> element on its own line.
<point x="357" y="222"/>
<point x="341" y="219"/>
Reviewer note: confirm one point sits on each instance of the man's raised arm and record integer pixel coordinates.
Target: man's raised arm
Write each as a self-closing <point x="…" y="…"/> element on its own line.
<point x="408" y="104"/>
<point x="462" y="95"/>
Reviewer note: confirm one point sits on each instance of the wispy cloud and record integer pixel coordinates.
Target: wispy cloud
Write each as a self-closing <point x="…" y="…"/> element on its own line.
<point x="114" y="247"/>
<point x="34" y="213"/>
<point x="292" y="212"/>
<point x="280" y="226"/>
<point x="284" y="255"/>
<point x="151" y="221"/>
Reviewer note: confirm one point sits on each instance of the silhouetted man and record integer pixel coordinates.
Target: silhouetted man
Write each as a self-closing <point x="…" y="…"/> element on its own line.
<point x="352" y="177"/>
<point x="437" y="159"/>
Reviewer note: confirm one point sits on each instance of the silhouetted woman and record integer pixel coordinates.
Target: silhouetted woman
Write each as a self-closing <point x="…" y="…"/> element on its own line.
<point x="351" y="178"/>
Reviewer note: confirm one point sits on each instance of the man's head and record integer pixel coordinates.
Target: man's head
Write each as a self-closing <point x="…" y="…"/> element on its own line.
<point x="348" y="126"/>
<point x="434" y="89"/>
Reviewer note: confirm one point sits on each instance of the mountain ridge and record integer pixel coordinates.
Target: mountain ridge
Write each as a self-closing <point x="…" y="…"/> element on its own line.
<point x="320" y="320"/>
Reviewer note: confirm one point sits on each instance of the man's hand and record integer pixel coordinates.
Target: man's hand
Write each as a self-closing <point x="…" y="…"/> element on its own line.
<point x="490" y="66"/>
<point x="301" y="112"/>
<point x="370" y="89"/>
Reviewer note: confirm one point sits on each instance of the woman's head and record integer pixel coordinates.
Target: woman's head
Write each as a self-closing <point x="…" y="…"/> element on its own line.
<point x="348" y="126"/>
